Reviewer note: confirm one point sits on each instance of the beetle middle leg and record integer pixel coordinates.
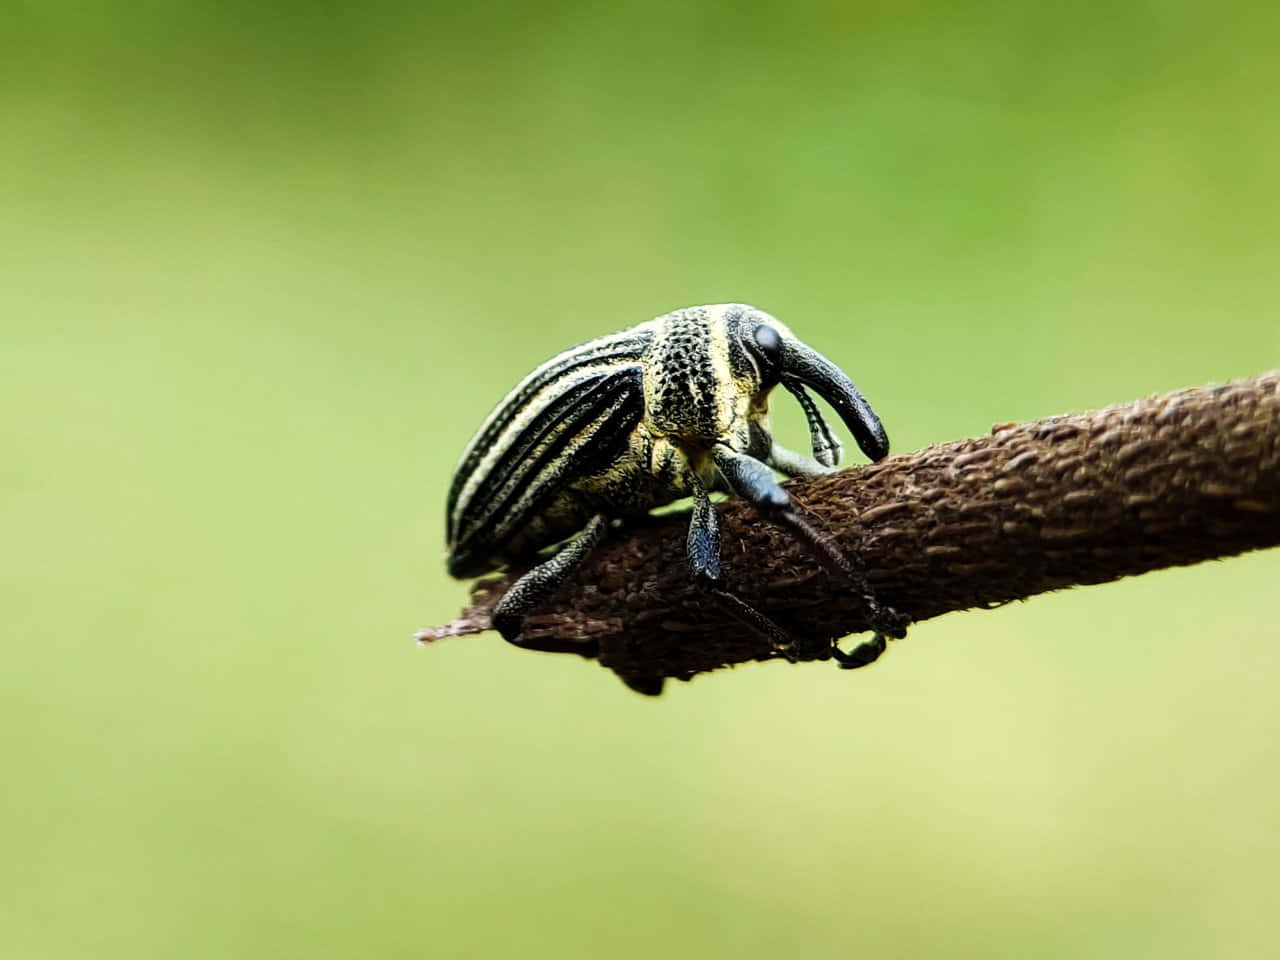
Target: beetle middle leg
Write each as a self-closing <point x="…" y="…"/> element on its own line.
<point x="704" y="565"/>
<point x="539" y="583"/>
<point x="754" y="481"/>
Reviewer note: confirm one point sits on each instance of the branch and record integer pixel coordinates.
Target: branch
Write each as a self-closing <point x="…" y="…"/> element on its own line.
<point x="1166" y="481"/>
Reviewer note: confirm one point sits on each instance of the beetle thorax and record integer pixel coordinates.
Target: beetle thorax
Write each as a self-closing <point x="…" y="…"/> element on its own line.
<point x="689" y="391"/>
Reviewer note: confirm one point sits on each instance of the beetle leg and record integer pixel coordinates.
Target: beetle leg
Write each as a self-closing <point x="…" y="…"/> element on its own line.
<point x="751" y="480"/>
<point x="703" y="545"/>
<point x="703" y="549"/>
<point x="795" y="464"/>
<point x="754" y="481"/>
<point x="537" y="584"/>
<point x="826" y="445"/>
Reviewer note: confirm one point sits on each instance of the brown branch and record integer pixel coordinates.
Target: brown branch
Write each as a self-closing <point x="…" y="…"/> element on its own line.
<point x="1166" y="481"/>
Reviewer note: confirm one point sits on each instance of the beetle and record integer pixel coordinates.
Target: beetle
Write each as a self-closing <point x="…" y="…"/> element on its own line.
<point x="671" y="408"/>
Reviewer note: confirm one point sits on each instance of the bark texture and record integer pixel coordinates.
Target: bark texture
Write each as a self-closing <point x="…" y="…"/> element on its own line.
<point x="1166" y="481"/>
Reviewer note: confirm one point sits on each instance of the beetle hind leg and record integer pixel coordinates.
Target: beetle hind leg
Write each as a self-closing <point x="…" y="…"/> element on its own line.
<point x="540" y="582"/>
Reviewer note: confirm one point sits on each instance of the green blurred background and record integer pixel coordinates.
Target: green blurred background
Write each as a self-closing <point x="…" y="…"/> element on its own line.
<point x="263" y="270"/>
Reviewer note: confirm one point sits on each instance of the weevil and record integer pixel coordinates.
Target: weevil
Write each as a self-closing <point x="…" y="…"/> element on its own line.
<point x="672" y="408"/>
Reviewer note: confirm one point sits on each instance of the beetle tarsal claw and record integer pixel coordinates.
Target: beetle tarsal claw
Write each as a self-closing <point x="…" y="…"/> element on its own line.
<point x="507" y="625"/>
<point x="649" y="686"/>
<point x="866" y="652"/>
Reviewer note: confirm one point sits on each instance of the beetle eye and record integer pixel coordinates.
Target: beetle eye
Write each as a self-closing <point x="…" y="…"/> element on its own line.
<point x="768" y="344"/>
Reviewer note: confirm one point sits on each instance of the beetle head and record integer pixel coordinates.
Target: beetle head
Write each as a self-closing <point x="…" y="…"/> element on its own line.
<point x="777" y="356"/>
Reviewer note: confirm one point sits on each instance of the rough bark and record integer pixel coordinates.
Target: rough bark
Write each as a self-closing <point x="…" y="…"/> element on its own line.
<point x="1166" y="481"/>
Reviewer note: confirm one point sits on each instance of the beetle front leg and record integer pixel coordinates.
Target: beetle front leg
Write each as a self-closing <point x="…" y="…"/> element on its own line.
<point x="826" y="446"/>
<point x="539" y="583"/>
<point x="754" y="481"/>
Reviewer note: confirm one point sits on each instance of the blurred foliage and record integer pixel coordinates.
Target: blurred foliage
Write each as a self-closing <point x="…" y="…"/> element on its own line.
<point x="266" y="267"/>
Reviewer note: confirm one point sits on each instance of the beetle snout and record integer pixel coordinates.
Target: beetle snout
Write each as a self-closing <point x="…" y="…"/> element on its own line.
<point x="806" y="366"/>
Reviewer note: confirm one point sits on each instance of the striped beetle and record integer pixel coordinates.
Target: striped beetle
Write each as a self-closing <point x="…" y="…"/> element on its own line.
<point x="675" y="407"/>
